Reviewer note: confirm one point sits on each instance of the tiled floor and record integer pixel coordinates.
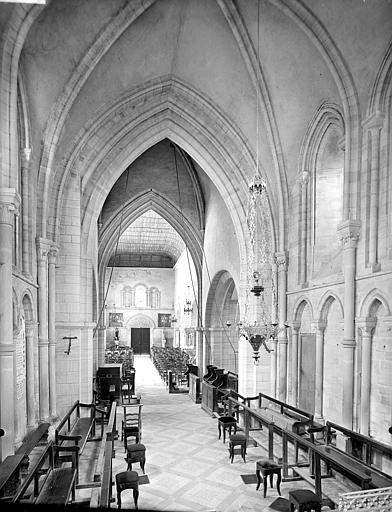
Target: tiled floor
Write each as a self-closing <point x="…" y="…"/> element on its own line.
<point x="188" y="468"/>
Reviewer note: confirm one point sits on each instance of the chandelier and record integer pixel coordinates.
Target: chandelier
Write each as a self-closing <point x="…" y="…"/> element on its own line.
<point x="259" y="326"/>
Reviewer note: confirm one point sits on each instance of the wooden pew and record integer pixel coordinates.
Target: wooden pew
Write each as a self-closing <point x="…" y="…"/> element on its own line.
<point x="75" y="430"/>
<point x="51" y="486"/>
<point x="15" y="465"/>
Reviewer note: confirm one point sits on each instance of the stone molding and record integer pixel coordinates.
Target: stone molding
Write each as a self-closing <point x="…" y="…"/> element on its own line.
<point x="374" y="121"/>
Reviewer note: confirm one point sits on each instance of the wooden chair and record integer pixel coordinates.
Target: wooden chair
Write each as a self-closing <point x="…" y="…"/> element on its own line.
<point x="132" y="422"/>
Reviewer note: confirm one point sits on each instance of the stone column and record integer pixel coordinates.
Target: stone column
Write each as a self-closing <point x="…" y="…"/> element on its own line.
<point x="281" y="260"/>
<point x="295" y="326"/>
<point x="52" y="255"/>
<point x="43" y="247"/>
<point x="30" y="371"/>
<point x="304" y="229"/>
<point x="199" y="350"/>
<point x="274" y="366"/>
<point x="367" y="326"/>
<point x="349" y="234"/>
<point x="374" y="124"/>
<point x="9" y="204"/>
<point x="25" y="167"/>
<point x="101" y="344"/>
<point x="319" y="327"/>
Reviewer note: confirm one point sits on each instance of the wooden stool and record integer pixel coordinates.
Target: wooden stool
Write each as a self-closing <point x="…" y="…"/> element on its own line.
<point x="127" y="480"/>
<point x="226" y="423"/>
<point x="136" y="453"/>
<point x="267" y="467"/>
<point x="304" y="500"/>
<point x="237" y="440"/>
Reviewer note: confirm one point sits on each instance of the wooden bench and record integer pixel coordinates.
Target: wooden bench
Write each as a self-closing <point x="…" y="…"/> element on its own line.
<point x="14" y="466"/>
<point x="51" y="486"/>
<point x="75" y="430"/>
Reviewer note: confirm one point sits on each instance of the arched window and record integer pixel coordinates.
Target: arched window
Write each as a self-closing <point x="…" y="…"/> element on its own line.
<point x="141" y="296"/>
<point x="155" y="298"/>
<point x="321" y="195"/>
<point x="127" y="297"/>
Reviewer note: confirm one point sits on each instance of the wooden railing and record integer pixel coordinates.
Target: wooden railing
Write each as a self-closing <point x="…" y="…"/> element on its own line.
<point x="366" y="447"/>
<point x="101" y="496"/>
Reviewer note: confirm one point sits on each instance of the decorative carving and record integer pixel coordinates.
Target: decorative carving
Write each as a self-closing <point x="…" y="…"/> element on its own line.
<point x="52" y="254"/>
<point x="349" y="232"/>
<point x="281" y="260"/>
<point x="43" y="247"/>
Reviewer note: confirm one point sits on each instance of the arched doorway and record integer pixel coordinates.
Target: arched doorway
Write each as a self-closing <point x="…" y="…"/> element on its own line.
<point x="140" y="330"/>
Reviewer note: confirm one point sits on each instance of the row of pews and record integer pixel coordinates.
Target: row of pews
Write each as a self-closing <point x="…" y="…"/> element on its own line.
<point x="332" y="458"/>
<point x="172" y="364"/>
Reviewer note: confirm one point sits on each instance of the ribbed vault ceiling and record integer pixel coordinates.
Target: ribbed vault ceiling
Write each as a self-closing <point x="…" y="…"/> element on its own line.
<point x="149" y="236"/>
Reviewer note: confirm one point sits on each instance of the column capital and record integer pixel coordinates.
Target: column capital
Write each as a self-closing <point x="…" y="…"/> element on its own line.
<point x="53" y="253"/>
<point x="366" y="324"/>
<point x="9" y="205"/>
<point x="43" y="246"/>
<point x="295" y="325"/>
<point x="349" y="232"/>
<point x="281" y="259"/>
<point x="374" y="121"/>
<point x="319" y="325"/>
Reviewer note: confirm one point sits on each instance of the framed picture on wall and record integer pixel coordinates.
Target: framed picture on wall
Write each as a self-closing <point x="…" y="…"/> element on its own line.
<point x="116" y="320"/>
<point x="164" y="320"/>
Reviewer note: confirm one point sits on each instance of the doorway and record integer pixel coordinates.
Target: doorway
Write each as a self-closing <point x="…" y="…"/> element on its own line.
<point x="140" y="340"/>
<point x="307" y="372"/>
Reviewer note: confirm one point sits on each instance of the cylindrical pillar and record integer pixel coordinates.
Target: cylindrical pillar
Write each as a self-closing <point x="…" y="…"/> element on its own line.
<point x="294" y="362"/>
<point x="52" y="329"/>
<point x="304" y="228"/>
<point x="367" y="328"/>
<point x="43" y="247"/>
<point x="30" y="380"/>
<point x="9" y="203"/>
<point x="281" y="260"/>
<point x="349" y="232"/>
<point x="199" y="351"/>
<point x="274" y="363"/>
<point x="101" y="344"/>
<point x="319" y="373"/>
